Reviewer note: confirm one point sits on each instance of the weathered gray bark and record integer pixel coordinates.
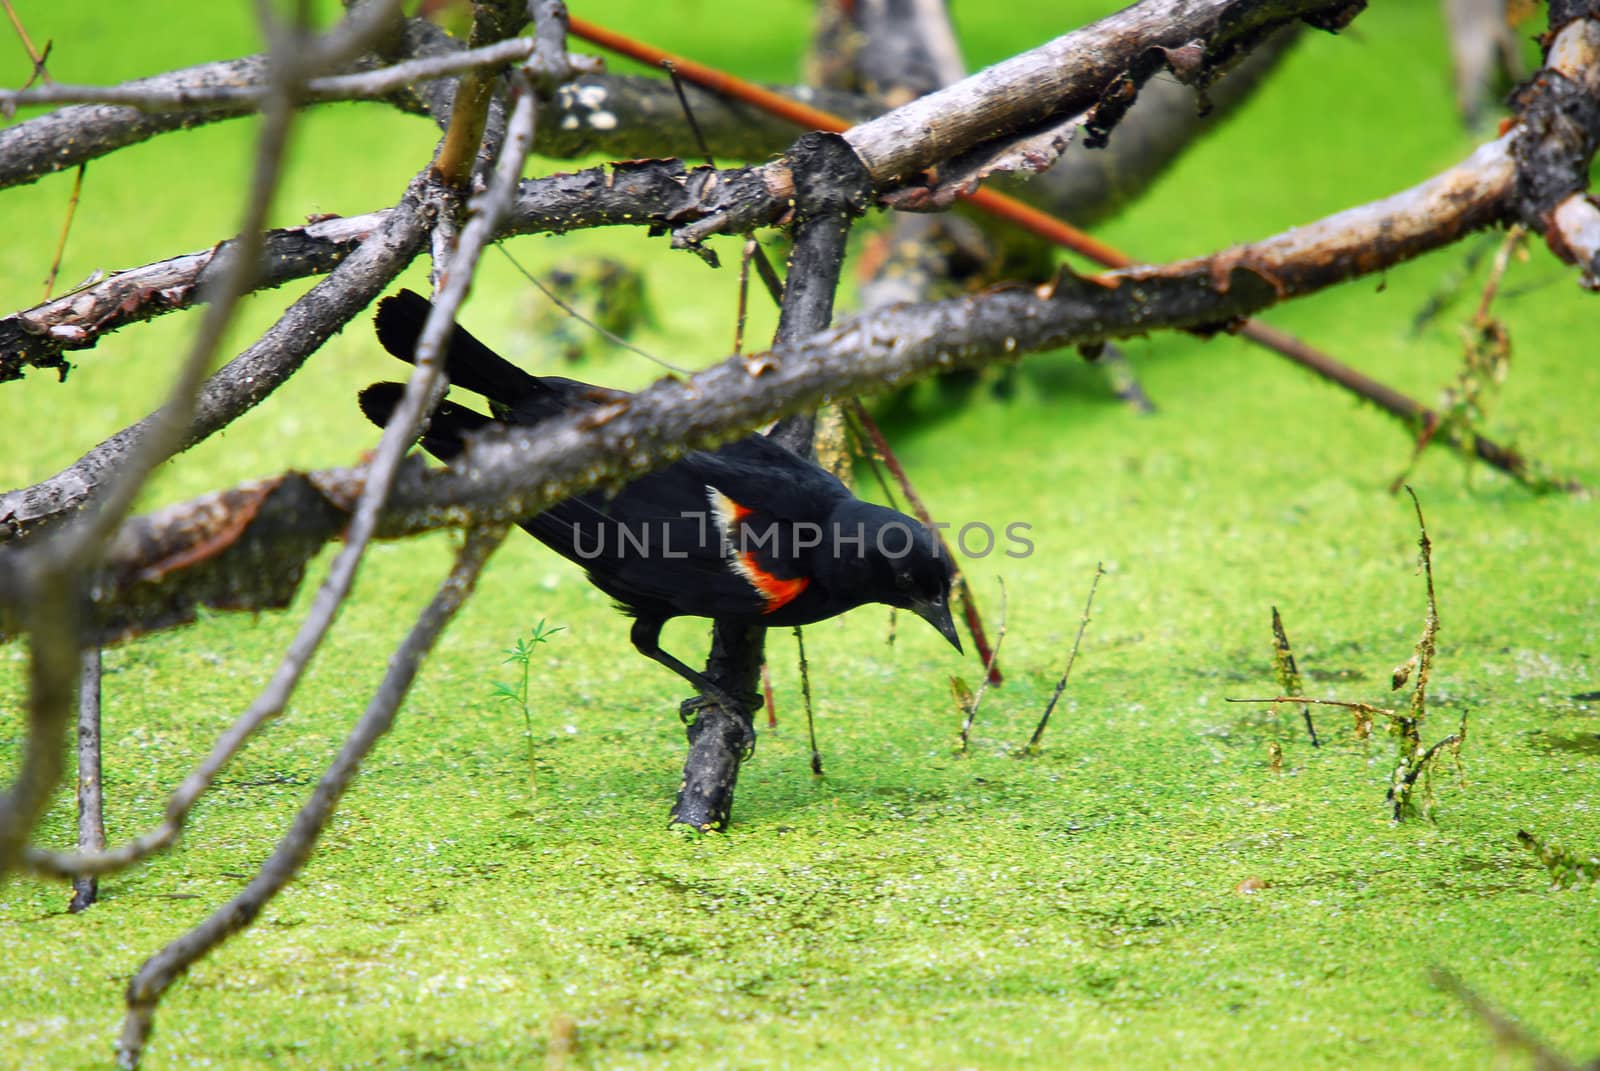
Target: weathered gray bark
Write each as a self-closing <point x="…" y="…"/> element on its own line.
<point x="91" y="797"/>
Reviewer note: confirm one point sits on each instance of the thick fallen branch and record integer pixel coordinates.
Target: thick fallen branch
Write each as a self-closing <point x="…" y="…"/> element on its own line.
<point x="652" y="193"/>
<point x="1054" y="77"/>
<point x="245" y="380"/>
<point x="214" y="550"/>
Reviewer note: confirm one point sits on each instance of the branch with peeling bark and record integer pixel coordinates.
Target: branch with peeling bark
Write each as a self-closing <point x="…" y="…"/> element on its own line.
<point x="208" y="553"/>
<point x="1358" y="241"/>
<point x="621" y="116"/>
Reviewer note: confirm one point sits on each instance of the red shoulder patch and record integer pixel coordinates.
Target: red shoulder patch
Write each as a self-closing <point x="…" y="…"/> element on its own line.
<point x="775" y="591"/>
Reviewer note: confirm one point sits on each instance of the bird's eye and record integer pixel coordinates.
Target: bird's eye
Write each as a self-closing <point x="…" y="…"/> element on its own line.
<point x="902" y="580"/>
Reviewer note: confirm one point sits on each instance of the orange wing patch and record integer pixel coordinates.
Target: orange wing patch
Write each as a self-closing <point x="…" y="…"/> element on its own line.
<point x="775" y="591"/>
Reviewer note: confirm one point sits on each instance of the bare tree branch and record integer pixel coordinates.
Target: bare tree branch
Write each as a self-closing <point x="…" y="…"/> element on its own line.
<point x="160" y="971"/>
<point x="1555" y="140"/>
<point x="55" y="571"/>
<point x="71" y="136"/>
<point x="39" y="335"/>
<point x="1062" y="78"/>
<point x="241" y="98"/>
<point x="245" y="380"/>
<point x="217" y="543"/>
<point x="302" y="522"/>
<point x="1367" y="238"/>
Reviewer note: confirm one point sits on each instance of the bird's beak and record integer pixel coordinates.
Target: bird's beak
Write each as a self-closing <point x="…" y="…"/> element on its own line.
<point x="936" y="612"/>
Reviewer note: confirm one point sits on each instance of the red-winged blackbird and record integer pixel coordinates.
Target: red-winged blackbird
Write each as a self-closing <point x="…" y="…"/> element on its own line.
<point x="749" y="533"/>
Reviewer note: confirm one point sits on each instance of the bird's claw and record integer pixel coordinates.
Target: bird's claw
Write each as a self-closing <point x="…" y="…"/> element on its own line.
<point x="689" y="710"/>
<point x="689" y="713"/>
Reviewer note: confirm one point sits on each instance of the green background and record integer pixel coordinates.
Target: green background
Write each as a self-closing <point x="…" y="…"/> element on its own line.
<point x="913" y="908"/>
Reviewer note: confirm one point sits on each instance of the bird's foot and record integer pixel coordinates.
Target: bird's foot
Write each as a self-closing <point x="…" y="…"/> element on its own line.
<point x="690" y="708"/>
<point x="689" y="713"/>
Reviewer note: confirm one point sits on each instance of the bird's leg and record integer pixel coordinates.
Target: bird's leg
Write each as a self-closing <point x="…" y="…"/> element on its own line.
<point x="646" y="638"/>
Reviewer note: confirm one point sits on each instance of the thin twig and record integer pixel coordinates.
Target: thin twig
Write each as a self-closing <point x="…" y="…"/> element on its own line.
<point x="1288" y="672"/>
<point x="744" y="295"/>
<point x="366" y="85"/>
<point x="1365" y="708"/>
<point x="865" y="449"/>
<point x="1516" y="234"/>
<point x="768" y="275"/>
<point x="988" y="671"/>
<point x="767" y="696"/>
<point x="1061" y="685"/>
<point x="66" y="229"/>
<point x="688" y="112"/>
<point x="38" y="58"/>
<point x="958" y="580"/>
<point x="610" y="336"/>
<point x="161" y="970"/>
<point x="1508" y="1033"/>
<point x="805" y="691"/>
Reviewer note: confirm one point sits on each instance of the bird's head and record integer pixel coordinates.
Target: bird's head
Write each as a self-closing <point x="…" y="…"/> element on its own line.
<point x="891" y="558"/>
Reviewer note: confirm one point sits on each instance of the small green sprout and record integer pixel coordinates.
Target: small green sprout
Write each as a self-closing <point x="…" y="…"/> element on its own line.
<point x="522" y="655"/>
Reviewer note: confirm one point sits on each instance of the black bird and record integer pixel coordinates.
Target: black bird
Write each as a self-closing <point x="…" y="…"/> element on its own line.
<point x="750" y="533"/>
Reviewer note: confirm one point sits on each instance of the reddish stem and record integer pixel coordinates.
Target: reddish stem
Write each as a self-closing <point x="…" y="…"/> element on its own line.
<point x="969" y="606"/>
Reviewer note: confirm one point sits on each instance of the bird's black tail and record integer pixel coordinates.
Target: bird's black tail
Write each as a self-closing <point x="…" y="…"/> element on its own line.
<point x="447" y="428"/>
<point x="469" y="363"/>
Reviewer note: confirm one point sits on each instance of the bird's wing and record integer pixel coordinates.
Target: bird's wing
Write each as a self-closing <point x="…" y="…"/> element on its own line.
<point x="714" y="534"/>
